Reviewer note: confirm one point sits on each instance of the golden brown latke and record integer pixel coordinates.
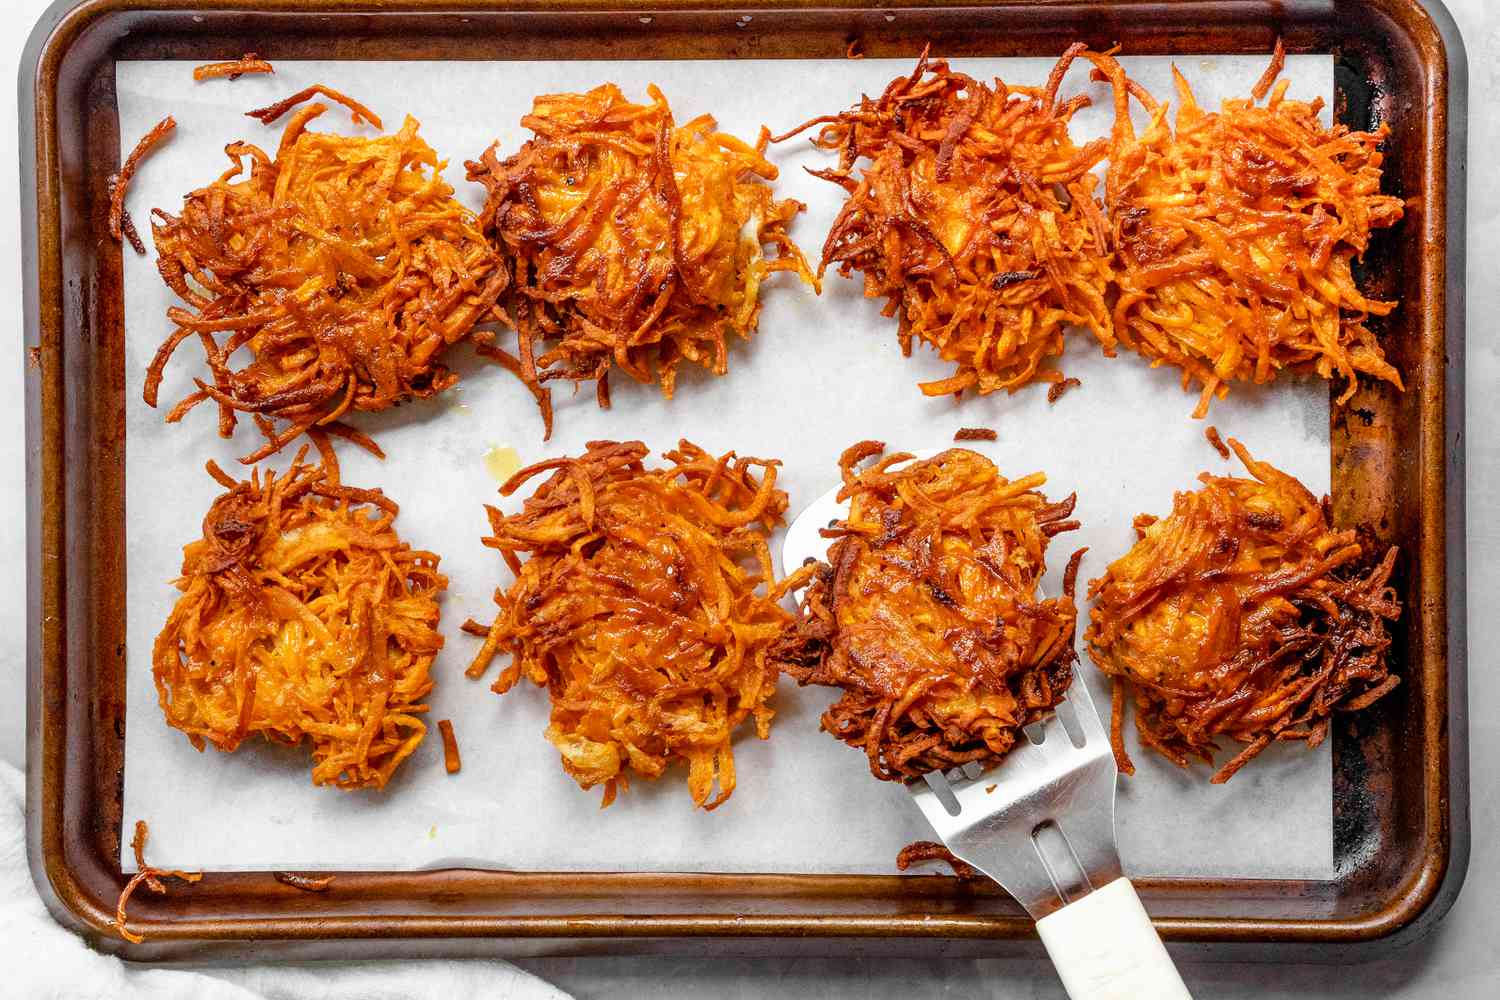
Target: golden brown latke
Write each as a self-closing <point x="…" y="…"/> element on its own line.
<point x="303" y="615"/>
<point x="635" y="244"/>
<point x="646" y="607"/>
<point x="927" y="613"/>
<point x="342" y="264"/>
<point x="974" y="217"/>
<point x="1243" y="614"/>
<point x="1235" y="232"/>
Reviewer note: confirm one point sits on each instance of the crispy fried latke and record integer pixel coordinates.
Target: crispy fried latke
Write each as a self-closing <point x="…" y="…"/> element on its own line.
<point x="927" y="613"/>
<point x="635" y="244"/>
<point x="1235" y="234"/>
<point x="647" y="607"/>
<point x="303" y="615"/>
<point x="974" y="218"/>
<point x="342" y="264"/>
<point x="1245" y="615"/>
<point x="147" y="875"/>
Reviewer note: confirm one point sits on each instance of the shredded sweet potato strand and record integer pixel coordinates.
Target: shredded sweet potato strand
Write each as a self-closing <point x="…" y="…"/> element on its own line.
<point x="344" y="267"/>
<point x="233" y="69"/>
<point x="303" y="615"/>
<point x="120" y="223"/>
<point x="1236" y="231"/>
<point x="1245" y="615"/>
<point x="147" y="875"/>
<point x="974" y="217"/>
<point x="635" y="243"/>
<point x="646" y="606"/>
<point x="306" y="883"/>
<point x="927" y="613"/>
<point x="358" y="113"/>
<point x="452" y="762"/>
<point x="1211" y="433"/>
<point x="919" y="851"/>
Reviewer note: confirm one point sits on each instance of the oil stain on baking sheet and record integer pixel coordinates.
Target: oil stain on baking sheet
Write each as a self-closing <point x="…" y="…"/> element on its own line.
<point x="502" y="461"/>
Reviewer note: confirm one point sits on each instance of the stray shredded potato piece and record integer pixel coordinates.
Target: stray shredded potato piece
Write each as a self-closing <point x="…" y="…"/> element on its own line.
<point x="152" y="877"/>
<point x="1235" y="234"/>
<point x="234" y="69"/>
<point x="975" y="218"/>
<point x="358" y="113"/>
<point x="451" y="760"/>
<point x="303" y="615"/>
<point x="306" y="883"/>
<point x="919" y="851"/>
<point x="927" y="612"/>
<point x="1242" y="614"/>
<point x="343" y="265"/>
<point x="647" y="608"/>
<point x="1212" y="434"/>
<point x="120" y="223"/>
<point x="976" y="434"/>
<point x="635" y="244"/>
<point x="1056" y="389"/>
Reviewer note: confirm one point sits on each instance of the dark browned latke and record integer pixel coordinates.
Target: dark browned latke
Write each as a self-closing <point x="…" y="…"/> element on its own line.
<point x="974" y="217"/>
<point x="1242" y="615"/>
<point x="927" y="613"/>
<point x="627" y="236"/>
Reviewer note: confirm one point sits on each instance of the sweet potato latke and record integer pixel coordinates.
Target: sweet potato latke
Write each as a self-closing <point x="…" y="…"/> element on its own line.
<point x="342" y="264"/>
<point x="634" y="243"/>
<point x="927" y="613"/>
<point x="975" y="219"/>
<point x="303" y="615"/>
<point x="1235" y="234"/>
<point x="647" y="608"/>
<point x="1243" y="614"/>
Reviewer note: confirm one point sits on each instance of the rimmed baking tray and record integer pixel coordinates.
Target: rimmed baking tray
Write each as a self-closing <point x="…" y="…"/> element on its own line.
<point x="1400" y="770"/>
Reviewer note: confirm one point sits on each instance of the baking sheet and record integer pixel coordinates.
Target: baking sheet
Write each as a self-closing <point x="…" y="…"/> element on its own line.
<point x="820" y="374"/>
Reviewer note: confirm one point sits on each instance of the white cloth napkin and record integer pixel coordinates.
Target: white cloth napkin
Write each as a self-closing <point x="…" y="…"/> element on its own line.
<point x="48" y="962"/>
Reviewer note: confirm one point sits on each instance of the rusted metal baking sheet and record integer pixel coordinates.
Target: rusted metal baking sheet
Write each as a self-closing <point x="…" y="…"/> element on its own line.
<point x="1400" y="770"/>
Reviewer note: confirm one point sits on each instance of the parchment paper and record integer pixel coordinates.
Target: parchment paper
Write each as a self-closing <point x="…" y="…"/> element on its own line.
<point x="820" y="374"/>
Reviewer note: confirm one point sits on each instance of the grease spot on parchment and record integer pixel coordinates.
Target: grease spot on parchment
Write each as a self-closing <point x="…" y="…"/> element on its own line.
<point x="502" y="461"/>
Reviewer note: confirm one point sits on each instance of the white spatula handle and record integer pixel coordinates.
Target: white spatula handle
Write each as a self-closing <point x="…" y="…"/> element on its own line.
<point x="1105" y="948"/>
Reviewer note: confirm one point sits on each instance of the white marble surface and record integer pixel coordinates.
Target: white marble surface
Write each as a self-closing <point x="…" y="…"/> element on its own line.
<point x="1458" y="961"/>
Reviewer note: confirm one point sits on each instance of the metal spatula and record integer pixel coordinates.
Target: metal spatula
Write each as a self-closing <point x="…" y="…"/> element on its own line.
<point x="1041" y="822"/>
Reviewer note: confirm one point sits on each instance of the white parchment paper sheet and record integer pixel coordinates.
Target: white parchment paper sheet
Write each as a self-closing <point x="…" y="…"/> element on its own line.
<point x="820" y="374"/>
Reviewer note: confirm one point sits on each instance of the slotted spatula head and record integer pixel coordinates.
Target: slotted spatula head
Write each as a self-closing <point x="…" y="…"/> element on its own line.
<point x="1041" y="821"/>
